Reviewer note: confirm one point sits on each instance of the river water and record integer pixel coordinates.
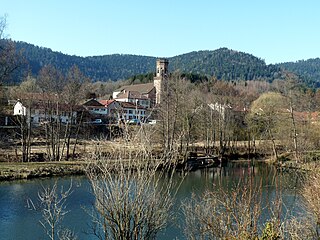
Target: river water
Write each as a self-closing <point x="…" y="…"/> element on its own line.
<point x="18" y="219"/>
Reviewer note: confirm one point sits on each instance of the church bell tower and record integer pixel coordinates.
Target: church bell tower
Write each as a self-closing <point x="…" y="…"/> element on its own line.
<point x="161" y="77"/>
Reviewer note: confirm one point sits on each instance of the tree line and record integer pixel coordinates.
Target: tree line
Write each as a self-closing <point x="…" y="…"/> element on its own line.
<point x="308" y="70"/>
<point x="216" y="113"/>
<point x="224" y="64"/>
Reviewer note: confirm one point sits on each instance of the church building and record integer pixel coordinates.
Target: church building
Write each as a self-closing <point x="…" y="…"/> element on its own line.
<point x="146" y="95"/>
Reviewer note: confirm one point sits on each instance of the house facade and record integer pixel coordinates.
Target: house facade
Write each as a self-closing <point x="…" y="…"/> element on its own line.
<point x="39" y="112"/>
<point x="113" y="107"/>
<point x="123" y="111"/>
<point x="141" y="94"/>
<point x="94" y="107"/>
<point x="130" y="111"/>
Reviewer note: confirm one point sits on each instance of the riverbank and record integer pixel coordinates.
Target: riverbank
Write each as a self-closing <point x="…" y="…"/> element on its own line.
<point x="19" y="171"/>
<point x="13" y="170"/>
<point x="307" y="162"/>
<point x="29" y="170"/>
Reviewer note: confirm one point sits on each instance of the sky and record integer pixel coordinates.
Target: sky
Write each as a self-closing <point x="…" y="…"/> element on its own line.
<point x="274" y="30"/>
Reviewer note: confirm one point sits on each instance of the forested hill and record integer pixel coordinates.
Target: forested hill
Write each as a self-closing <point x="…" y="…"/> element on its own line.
<point x="108" y="67"/>
<point x="307" y="70"/>
<point x="225" y="64"/>
<point x="222" y="63"/>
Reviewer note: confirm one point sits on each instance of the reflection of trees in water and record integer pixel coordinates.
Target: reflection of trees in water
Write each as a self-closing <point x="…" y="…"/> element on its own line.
<point x="272" y="198"/>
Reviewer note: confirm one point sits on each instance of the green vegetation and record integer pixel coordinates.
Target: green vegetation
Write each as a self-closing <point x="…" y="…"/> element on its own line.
<point x="307" y="70"/>
<point x="97" y="68"/>
<point x="223" y="64"/>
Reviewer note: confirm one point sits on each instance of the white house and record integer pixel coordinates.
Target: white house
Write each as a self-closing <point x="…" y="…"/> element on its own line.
<point x="113" y="108"/>
<point x="40" y="112"/>
<point x="141" y="94"/>
<point x="130" y="111"/>
<point x="19" y="109"/>
<point x="220" y="108"/>
<point x="121" y="110"/>
<point x="94" y="107"/>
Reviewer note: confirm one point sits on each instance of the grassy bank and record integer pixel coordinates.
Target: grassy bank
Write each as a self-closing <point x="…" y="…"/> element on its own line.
<point x="11" y="168"/>
<point x="18" y="170"/>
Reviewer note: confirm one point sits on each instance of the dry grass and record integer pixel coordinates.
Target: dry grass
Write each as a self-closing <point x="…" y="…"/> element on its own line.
<point x="18" y="170"/>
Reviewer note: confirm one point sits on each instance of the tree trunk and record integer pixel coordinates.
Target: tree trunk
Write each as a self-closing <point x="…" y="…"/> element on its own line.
<point x="295" y="140"/>
<point x="274" y="148"/>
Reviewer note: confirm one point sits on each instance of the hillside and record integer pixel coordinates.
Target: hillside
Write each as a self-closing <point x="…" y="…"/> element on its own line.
<point x="108" y="67"/>
<point x="224" y="64"/>
<point x="307" y="70"/>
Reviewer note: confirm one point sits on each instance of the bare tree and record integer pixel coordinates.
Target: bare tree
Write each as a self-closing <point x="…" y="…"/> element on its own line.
<point x="53" y="209"/>
<point x="132" y="199"/>
<point x="177" y="113"/>
<point x="311" y="193"/>
<point x="51" y="83"/>
<point x="301" y="228"/>
<point x="9" y="60"/>
<point x="293" y="95"/>
<point x="306" y="224"/>
<point x="25" y="130"/>
<point x="73" y="92"/>
<point x="224" y="215"/>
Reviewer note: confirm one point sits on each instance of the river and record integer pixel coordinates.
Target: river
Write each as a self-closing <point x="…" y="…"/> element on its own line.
<point x="18" y="219"/>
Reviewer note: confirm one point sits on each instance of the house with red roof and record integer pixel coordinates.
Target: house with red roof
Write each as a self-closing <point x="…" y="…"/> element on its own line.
<point x="94" y="107"/>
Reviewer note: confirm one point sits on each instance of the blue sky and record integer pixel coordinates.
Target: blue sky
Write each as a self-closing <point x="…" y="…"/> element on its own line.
<point x="274" y="30"/>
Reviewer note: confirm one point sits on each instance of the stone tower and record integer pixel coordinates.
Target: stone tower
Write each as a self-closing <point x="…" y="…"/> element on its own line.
<point x="161" y="77"/>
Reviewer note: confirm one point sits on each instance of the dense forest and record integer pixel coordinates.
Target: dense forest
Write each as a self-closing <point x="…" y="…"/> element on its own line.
<point x="97" y="68"/>
<point x="307" y="70"/>
<point x="223" y="64"/>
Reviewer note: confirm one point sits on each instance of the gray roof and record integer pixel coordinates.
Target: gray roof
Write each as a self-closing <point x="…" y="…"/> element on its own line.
<point x="141" y="88"/>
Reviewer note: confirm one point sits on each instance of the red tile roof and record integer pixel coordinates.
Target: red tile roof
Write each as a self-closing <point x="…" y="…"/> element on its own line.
<point x="107" y="102"/>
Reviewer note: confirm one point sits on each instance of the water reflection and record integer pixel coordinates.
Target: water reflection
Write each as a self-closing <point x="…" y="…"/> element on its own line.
<point x="17" y="220"/>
